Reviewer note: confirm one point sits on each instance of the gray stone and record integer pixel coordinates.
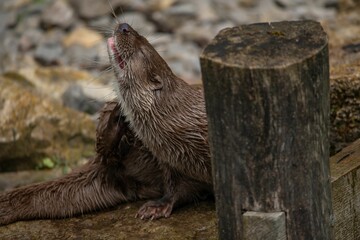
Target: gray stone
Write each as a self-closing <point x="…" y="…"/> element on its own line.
<point x="206" y="11"/>
<point x="90" y="8"/>
<point x="314" y="13"/>
<point x="289" y="3"/>
<point x="183" y="58"/>
<point x="84" y="57"/>
<point x="48" y="54"/>
<point x="94" y="8"/>
<point x="248" y="3"/>
<point x="75" y="98"/>
<point x="28" y="22"/>
<point x="138" y="22"/>
<point x="33" y="127"/>
<point x="12" y="4"/>
<point x="175" y="16"/>
<point x="201" y="32"/>
<point x="58" y="13"/>
<point x="103" y="25"/>
<point x="183" y="10"/>
<point x="29" y="39"/>
<point x="7" y="19"/>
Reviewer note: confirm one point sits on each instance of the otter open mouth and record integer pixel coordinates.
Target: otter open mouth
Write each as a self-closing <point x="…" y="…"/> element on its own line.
<point x="115" y="52"/>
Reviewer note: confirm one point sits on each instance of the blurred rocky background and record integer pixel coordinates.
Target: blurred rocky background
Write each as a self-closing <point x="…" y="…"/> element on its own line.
<point x="55" y="75"/>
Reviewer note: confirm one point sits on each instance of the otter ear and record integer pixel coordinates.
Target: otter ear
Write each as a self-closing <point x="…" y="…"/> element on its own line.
<point x="156" y="83"/>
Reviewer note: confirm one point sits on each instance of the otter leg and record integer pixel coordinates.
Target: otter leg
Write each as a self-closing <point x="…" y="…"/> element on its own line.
<point x="179" y="190"/>
<point x="92" y="187"/>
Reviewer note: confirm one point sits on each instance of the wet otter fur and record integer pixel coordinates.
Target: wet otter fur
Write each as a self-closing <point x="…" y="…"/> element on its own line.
<point x="166" y="114"/>
<point x="151" y="143"/>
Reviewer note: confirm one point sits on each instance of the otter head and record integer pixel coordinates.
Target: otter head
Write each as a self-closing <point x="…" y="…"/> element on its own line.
<point x="141" y="74"/>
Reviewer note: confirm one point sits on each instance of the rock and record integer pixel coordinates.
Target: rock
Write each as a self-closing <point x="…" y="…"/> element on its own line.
<point x="102" y="25"/>
<point x="87" y="58"/>
<point x="315" y="13"/>
<point x="343" y="33"/>
<point x="30" y="22"/>
<point x="53" y="81"/>
<point x="29" y="39"/>
<point x="190" y="222"/>
<point x="349" y="5"/>
<point x="183" y="60"/>
<point x="58" y="13"/>
<point x="201" y="32"/>
<point x="7" y="19"/>
<point x="8" y="50"/>
<point x="93" y="8"/>
<point x="49" y="50"/>
<point x="48" y="54"/>
<point x="12" y="180"/>
<point x="160" y="5"/>
<point x="82" y="36"/>
<point x="90" y="8"/>
<point x="75" y="97"/>
<point x="182" y="10"/>
<point x="345" y="106"/>
<point x="175" y="16"/>
<point x="182" y="57"/>
<point x="289" y="3"/>
<point x="86" y="48"/>
<point x="32" y="127"/>
<point x="248" y="3"/>
<point x="331" y="4"/>
<point x="138" y="21"/>
<point x="13" y="4"/>
<point x="205" y="11"/>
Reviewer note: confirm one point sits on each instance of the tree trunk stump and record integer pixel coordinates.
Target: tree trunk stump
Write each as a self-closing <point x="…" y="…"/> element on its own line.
<point x="267" y="99"/>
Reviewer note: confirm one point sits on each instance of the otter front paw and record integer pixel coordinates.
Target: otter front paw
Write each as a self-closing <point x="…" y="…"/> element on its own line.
<point x="155" y="209"/>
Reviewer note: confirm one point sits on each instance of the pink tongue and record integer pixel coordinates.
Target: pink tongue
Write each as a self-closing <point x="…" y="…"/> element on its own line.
<point x="111" y="43"/>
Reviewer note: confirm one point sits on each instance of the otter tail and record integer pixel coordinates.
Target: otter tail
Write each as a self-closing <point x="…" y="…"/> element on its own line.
<point x="123" y="170"/>
<point x="94" y="186"/>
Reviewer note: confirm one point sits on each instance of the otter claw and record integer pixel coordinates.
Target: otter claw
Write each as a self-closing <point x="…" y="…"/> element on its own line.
<point x="155" y="209"/>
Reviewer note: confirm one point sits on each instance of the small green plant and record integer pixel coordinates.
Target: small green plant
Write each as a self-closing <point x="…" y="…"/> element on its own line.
<point x="46" y="163"/>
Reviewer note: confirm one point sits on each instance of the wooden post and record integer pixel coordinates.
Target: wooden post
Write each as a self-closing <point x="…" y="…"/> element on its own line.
<point x="345" y="182"/>
<point x="267" y="98"/>
<point x="260" y="226"/>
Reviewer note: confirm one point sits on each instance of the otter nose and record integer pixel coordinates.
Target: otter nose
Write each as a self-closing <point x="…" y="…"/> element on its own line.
<point x="124" y="28"/>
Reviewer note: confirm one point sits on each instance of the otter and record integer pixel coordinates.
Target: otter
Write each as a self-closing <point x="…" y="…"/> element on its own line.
<point x="151" y="143"/>
<point x="166" y="114"/>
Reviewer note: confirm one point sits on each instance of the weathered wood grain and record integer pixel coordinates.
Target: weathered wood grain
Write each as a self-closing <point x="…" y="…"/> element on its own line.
<point x="267" y="98"/>
<point x="345" y="183"/>
<point x="260" y="226"/>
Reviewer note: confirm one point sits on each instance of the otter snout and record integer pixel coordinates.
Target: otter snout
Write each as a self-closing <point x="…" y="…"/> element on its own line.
<point x="124" y="28"/>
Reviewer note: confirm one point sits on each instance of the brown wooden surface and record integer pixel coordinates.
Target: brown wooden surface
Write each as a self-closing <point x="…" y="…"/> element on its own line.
<point x="267" y="98"/>
<point x="345" y="182"/>
<point x="260" y="226"/>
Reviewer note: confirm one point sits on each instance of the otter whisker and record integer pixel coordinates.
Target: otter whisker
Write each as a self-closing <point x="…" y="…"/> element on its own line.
<point x="113" y="12"/>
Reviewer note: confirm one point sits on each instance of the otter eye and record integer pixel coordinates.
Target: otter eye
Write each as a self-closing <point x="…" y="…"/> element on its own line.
<point x="124" y="28"/>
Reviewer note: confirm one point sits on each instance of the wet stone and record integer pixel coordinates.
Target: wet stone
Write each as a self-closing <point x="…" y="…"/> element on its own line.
<point x="7" y="19"/>
<point x="29" y="39"/>
<point x="58" y="13"/>
<point x="49" y="54"/>
<point x="74" y="97"/>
